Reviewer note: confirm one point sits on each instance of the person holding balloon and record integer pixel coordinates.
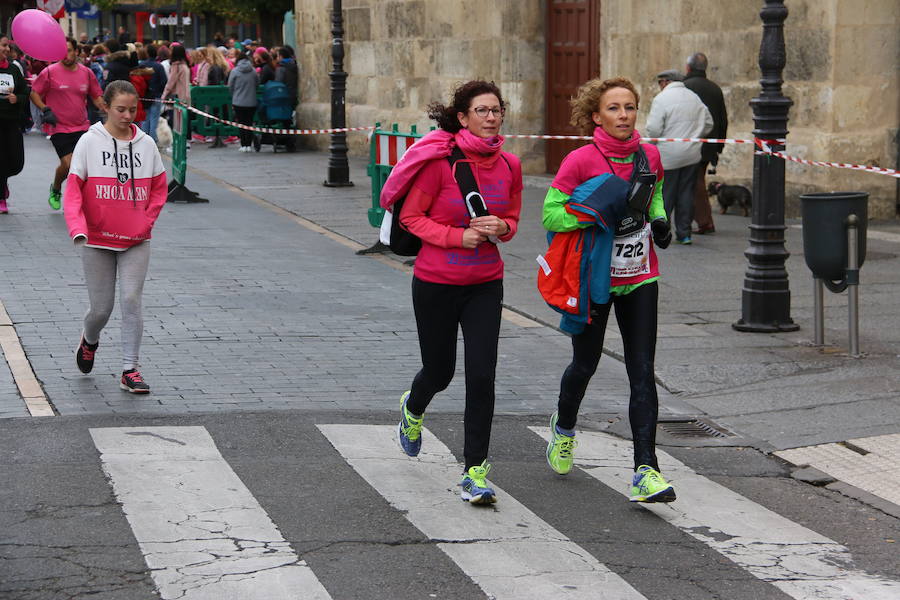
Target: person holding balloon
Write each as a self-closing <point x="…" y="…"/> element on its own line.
<point x="13" y="97"/>
<point x="61" y="92"/>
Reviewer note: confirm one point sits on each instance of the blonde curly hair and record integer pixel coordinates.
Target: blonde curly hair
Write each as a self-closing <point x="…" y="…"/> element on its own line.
<point x="587" y="101"/>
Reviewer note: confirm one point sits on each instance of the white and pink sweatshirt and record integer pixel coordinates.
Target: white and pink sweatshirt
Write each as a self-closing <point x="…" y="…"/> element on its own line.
<point x="115" y="190"/>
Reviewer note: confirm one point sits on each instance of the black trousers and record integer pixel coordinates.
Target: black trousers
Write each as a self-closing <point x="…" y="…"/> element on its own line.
<point x="636" y="316"/>
<point x="244" y="116"/>
<point x="440" y="310"/>
<point x="13" y="151"/>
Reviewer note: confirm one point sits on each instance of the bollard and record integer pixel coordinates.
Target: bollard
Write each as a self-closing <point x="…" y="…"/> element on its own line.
<point x="853" y="283"/>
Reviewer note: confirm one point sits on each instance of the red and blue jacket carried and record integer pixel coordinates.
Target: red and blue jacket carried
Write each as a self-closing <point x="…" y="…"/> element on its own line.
<point x="576" y="269"/>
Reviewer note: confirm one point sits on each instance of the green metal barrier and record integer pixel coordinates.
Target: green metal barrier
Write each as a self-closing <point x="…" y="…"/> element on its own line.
<point x="385" y="149"/>
<point x="215" y="100"/>
<point x="178" y="191"/>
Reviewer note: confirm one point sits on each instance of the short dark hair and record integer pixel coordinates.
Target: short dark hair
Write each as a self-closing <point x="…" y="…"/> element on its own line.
<point x="461" y="102"/>
<point x="151" y="50"/>
<point x="112" y="45"/>
<point x="698" y="62"/>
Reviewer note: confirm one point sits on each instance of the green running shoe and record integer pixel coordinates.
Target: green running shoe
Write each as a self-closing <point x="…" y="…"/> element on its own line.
<point x="475" y="488"/>
<point x="648" y="485"/>
<point x="561" y="449"/>
<point x="409" y="431"/>
<point x="55" y="198"/>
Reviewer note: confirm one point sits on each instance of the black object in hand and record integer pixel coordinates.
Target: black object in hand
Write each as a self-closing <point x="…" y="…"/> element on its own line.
<point x="47" y="116"/>
<point x="662" y="234"/>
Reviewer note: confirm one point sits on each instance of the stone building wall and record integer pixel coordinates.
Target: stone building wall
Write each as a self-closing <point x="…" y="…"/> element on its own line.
<point x="404" y="54"/>
<point x="842" y="71"/>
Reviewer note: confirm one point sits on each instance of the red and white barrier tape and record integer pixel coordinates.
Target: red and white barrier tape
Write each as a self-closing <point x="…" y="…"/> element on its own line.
<point x="762" y="145"/>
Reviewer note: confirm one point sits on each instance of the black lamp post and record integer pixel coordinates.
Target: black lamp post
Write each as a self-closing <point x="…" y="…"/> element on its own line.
<point x="338" y="167"/>
<point x="179" y="23"/>
<point x="766" y="296"/>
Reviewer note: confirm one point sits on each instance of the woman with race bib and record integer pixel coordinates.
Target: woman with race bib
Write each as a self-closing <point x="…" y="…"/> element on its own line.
<point x="631" y="178"/>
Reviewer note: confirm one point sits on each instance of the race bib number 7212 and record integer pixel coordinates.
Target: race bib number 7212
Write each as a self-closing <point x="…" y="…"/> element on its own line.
<point x="631" y="254"/>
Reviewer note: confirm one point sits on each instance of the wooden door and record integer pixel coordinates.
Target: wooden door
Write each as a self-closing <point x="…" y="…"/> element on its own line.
<point x="573" y="57"/>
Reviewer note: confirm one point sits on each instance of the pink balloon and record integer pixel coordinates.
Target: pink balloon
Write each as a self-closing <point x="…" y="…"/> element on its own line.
<point x="39" y="35"/>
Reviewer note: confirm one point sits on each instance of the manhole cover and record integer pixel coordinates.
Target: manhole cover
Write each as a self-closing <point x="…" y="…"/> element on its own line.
<point x="696" y="428"/>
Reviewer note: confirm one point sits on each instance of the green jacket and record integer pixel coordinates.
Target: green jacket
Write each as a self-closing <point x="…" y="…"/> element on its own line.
<point x="11" y="75"/>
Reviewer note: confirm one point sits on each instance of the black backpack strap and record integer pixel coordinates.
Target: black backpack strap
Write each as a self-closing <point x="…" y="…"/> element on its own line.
<point x="468" y="187"/>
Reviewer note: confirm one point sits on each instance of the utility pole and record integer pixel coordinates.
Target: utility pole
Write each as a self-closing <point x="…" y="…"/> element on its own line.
<point x="766" y="296"/>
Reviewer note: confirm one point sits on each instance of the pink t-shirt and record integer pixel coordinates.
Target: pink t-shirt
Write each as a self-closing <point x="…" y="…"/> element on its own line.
<point x="434" y="210"/>
<point x="66" y="93"/>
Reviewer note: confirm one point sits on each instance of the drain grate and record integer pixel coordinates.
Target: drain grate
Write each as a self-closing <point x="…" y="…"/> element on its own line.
<point x="696" y="428"/>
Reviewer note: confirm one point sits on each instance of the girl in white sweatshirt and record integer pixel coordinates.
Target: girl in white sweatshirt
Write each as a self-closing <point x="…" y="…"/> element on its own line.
<point x="115" y="191"/>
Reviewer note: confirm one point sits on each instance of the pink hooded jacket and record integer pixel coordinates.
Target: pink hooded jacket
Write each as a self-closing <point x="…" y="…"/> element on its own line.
<point x="115" y="190"/>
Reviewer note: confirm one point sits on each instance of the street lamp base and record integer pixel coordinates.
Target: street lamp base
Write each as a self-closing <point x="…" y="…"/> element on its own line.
<point x="327" y="183"/>
<point x="776" y="327"/>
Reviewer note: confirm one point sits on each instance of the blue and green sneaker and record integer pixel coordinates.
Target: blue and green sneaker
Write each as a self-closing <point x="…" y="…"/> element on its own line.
<point x="648" y="485"/>
<point x="475" y="489"/>
<point x="55" y="198"/>
<point x="409" y="432"/>
<point x="561" y="449"/>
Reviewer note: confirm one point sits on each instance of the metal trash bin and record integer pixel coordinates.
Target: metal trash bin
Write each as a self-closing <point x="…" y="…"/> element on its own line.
<point x="825" y="245"/>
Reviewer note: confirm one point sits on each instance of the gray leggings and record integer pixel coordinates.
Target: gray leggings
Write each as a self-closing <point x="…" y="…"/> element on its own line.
<point x="100" y="268"/>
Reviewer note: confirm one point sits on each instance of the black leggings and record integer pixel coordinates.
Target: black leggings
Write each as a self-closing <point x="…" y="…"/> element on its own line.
<point x="636" y="316"/>
<point x="440" y="310"/>
<point x="244" y="116"/>
<point x="13" y="151"/>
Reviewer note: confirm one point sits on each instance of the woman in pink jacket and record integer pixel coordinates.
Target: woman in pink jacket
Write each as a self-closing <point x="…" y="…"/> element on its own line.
<point x="458" y="277"/>
<point x="179" y="84"/>
<point x="115" y="191"/>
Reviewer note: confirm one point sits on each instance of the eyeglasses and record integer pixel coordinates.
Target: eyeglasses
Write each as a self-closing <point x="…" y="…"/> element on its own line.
<point x="482" y="111"/>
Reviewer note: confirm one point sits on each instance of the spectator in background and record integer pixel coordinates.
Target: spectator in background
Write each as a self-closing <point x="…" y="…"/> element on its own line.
<point x="13" y="93"/>
<point x="155" y="88"/>
<point x="162" y="55"/>
<point x="265" y="66"/>
<point x="179" y="83"/>
<point x="98" y="62"/>
<point x="218" y="68"/>
<point x="242" y="82"/>
<point x="118" y="64"/>
<point x="287" y="73"/>
<point x="677" y="112"/>
<point x="124" y="37"/>
<point x="711" y="95"/>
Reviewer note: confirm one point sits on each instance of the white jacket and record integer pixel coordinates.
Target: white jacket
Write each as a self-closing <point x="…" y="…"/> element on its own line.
<point x="677" y="112"/>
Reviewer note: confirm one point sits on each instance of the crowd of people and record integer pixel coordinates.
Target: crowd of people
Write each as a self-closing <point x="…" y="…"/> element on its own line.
<point x="49" y="98"/>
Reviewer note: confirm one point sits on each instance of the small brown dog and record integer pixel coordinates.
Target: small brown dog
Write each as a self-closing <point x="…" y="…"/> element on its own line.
<point x="731" y="194"/>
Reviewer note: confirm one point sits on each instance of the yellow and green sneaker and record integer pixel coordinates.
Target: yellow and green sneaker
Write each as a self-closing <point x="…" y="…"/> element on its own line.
<point x="561" y="449"/>
<point x="648" y="485"/>
<point x="475" y="488"/>
<point x="409" y="431"/>
<point x="55" y="198"/>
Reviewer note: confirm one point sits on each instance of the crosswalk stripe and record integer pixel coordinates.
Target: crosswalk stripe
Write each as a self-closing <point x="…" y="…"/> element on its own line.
<point x="507" y="550"/>
<point x="797" y="560"/>
<point x="203" y="534"/>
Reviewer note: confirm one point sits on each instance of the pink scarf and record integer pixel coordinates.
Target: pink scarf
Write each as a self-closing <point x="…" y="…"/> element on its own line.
<point x="614" y="147"/>
<point x="4" y="64"/>
<point x="436" y="144"/>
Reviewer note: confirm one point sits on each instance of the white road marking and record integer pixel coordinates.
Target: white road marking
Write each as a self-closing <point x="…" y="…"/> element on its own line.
<point x="875" y="472"/>
<point x="203" y="534"/>
<point x="507" y="550"/>
<point x="20" y="367"/>
<point x="797" y="560"/>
